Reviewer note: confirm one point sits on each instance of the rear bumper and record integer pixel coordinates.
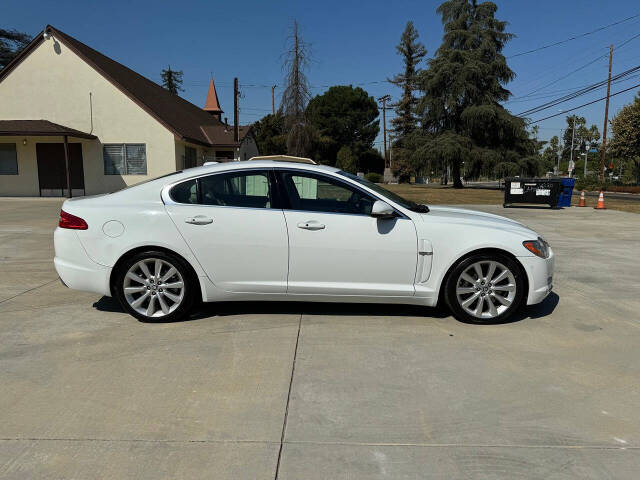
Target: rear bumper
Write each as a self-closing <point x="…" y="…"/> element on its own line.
<point x="75" y="268"/>
<point x="540" y="276"/>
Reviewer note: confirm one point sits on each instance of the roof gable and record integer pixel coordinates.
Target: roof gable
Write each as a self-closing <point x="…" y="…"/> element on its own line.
<point x="181" y="117"/>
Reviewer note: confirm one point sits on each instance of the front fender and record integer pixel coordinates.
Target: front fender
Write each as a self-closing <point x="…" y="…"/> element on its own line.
<point x="455" y="242"/>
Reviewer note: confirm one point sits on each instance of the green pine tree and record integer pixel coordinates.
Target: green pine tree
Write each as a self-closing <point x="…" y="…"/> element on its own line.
<point x="11" y="42"/>
<point x="405" y="122"/>
<point x="461" y="116"/>
<point x="412" y="53"/>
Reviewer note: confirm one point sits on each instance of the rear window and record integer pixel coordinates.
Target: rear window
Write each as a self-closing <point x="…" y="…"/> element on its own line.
<point x="185" y="192"/>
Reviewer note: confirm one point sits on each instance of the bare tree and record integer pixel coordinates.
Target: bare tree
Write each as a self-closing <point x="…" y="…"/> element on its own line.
<point x="172" y="80"/>
<point x="297" y="93"/>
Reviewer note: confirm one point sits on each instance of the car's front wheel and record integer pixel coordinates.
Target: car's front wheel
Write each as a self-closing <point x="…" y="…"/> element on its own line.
<point x="155" y="286"/>
<point x="485" y="288"/>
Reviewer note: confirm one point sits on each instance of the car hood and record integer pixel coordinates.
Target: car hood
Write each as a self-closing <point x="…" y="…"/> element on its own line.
<point x="449" y="215"/>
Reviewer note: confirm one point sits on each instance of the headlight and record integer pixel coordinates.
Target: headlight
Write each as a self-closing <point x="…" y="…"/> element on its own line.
<point x="538" y="247"/>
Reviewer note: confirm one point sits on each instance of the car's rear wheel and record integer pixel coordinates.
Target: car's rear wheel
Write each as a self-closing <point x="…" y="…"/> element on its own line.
<point x="485" y="288"/>
<point x="155" y="286"/>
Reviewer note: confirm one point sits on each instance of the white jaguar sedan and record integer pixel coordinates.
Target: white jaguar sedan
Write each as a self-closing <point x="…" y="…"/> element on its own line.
<point x="275" y="230"/>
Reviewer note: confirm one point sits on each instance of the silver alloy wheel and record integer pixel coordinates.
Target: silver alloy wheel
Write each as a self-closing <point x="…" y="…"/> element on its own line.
<point x="153" y="287"/>
<point x="486" y="289"/>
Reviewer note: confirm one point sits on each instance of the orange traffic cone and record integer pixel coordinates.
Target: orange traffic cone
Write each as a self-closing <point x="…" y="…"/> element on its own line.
<point x="600" y="205"/>
<point x="582" y="202"/>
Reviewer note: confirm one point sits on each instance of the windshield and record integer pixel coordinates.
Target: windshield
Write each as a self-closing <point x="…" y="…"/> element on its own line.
<point x="394" y="197"/>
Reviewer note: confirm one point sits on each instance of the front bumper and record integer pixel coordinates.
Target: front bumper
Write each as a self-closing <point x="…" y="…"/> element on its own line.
<point x="540" y="276"/>
<point x="75" y="268"/>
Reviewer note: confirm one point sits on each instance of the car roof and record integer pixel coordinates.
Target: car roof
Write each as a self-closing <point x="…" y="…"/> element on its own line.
<point x="230" y="166"/>
<point x="150" y="187"/>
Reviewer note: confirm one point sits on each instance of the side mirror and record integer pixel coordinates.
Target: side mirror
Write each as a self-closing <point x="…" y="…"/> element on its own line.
<point x="382" y="209"/>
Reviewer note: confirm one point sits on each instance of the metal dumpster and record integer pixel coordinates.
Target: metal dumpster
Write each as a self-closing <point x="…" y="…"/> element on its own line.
<point x="536" y="191"/>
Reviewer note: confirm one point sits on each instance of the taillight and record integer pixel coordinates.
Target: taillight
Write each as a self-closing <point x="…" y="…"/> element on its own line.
<point x="71" y="221"/>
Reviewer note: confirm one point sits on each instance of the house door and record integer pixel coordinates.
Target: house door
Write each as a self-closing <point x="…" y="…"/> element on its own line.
<point x="52" y="175"/>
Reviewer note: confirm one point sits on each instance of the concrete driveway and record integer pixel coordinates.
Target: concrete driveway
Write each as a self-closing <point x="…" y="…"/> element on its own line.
<point x="295" y="391"/>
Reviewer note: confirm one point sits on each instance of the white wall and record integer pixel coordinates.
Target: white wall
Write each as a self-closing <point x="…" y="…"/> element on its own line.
<point x="53" y="83"/>
<point x="248" y="148"/>
<point x="26" y="182"/>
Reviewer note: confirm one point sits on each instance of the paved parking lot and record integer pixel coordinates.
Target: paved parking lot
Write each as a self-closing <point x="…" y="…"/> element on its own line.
<point x="243" y="391"/>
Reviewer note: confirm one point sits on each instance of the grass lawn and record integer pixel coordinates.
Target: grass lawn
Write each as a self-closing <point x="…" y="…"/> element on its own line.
<point x="446" y="195"/>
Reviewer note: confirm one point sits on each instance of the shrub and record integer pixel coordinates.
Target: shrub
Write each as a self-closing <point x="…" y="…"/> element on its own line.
<point x="594" y="184"/>
<point x="346" y="160"/>
<point x="374" y="177"/>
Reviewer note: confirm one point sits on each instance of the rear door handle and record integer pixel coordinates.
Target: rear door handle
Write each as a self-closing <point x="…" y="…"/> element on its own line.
<point x="311" y="225"/>
<point x="198" y="220"/>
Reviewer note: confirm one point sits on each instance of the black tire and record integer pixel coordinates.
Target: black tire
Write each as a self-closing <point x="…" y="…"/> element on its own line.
<point x="451" y="283"/>
<point x="189" y="297"/>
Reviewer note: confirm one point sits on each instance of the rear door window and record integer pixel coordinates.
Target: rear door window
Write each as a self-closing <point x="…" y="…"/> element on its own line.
<point x="249" y="189"/>
<point x="237" y="189"/>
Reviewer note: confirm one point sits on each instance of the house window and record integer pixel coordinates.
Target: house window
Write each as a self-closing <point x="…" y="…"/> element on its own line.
<point x="8" y="159"/>
<point x="190" y="157"/>
<point x="125" y="158"/>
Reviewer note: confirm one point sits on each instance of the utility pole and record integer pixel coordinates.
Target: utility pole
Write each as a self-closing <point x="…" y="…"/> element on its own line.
<point x="384" y="99"/>
<point x="586" y="157"/>
<point x="573" y="135"/>
<point x="606" y="118"/>
<point x="236" y="126"/>
<point x="273" y="100"/>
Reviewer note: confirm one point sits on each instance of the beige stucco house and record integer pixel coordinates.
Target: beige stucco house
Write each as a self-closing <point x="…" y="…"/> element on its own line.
<point x="63" y="103"/>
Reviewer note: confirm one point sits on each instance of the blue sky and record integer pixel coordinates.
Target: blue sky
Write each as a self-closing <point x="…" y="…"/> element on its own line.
<point x="352" y="42"/>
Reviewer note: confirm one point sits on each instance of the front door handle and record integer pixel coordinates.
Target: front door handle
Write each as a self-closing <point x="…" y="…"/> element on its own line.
<point x="311" y="225"/>
<point x="198" y="220"/>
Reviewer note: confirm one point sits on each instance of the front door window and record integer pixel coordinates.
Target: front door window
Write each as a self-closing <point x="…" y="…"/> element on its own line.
<point x="318" y="193"/>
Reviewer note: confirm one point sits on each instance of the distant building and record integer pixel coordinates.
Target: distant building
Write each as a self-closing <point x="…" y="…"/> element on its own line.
<point x="61" y="102"/>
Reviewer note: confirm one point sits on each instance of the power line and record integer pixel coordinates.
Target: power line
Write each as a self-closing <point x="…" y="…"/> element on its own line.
<point x="627" y="41"/>
<point x="565" y="76"/>
<point x="577" y="93"/>
<point x="549" y="93"/>
<point x="580" y="68"/>
<point x="574" y="59"/>
<point x="553" y="94"/>
<point x="575" y="37"/>
<point x="583" y="105"/>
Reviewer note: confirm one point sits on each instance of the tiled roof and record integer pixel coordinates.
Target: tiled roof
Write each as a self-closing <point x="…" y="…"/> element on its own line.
<point x="222" y="135"/>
